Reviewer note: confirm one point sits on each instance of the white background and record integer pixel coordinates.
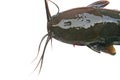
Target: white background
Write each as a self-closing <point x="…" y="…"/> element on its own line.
<point x="22" y="25"/>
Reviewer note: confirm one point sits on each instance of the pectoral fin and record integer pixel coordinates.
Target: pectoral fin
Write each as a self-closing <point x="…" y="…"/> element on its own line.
<point x="99" y="4"/>
<point x="95" y="47"/>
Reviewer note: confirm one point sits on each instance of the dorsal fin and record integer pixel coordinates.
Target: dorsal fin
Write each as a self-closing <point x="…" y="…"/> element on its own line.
<point x="99" y="4"/>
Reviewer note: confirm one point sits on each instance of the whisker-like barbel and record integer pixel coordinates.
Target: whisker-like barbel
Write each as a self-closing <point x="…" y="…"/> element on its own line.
<point x="49" y="36"/>
<point x="42" y="56"/>
<point x="40" y="46"/>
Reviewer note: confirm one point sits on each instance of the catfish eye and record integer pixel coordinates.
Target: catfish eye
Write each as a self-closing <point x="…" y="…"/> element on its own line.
<point x="68" y="23"/>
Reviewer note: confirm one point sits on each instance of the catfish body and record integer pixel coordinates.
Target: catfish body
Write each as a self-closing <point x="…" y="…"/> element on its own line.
<point x="86" y="25"/>
<point x="93" y="27"/>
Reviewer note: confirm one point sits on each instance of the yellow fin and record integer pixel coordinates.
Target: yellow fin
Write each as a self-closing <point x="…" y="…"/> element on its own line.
<point x="110" y="50"/>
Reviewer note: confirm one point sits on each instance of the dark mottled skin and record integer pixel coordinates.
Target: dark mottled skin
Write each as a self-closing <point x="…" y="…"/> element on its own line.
<point x="101" y="32"/>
